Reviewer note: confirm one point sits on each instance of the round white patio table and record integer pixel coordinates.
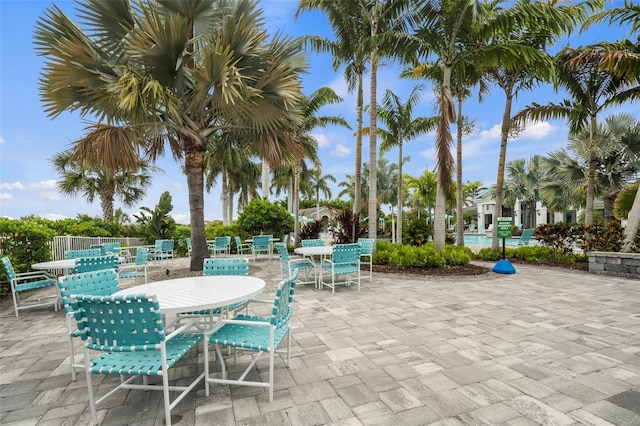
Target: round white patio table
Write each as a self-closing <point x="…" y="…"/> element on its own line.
<point x="55" y="264"/>
<point x="314" y="251"/>
<point x="199" y="293"/>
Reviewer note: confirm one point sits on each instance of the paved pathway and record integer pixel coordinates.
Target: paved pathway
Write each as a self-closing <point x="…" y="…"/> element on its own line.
<point x="543" y="346"/>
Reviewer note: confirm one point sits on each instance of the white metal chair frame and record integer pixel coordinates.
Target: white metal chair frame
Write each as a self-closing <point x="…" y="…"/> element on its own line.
<point x="257" y="334"/>
<point x="220" y="245"/>
<point x="289" y="265"/>
<point x="138" y="268"/>
<point x="133" y="343"/>
<point x="22" y="282"/>
<point x="242" y="248"/>
<point x="345" y="261"/>
<point x="367" y="246"/>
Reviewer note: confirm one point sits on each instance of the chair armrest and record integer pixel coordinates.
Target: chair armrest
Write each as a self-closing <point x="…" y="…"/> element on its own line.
<point x="302" y="260"/>
<point x="22" y="276"/>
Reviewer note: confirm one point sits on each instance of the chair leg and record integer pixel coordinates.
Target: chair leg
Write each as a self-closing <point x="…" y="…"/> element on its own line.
<point x="167" y="402"/>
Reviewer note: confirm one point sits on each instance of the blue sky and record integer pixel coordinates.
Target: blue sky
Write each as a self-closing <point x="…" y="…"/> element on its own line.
<point x="28" y="138"/>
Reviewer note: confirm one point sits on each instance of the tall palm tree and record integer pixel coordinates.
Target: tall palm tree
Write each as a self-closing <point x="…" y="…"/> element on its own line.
<point x="320" y="184"/>
<point x="92" y="178"/>
<point x="186" y="69"/>
<point x="309" y="107"/>
<point x="349" y="50"/>
<point x="591" y="90"/>
<point x="424" y="188"/>
<point x="549" y="22"/>
<point x="401" y="127"/>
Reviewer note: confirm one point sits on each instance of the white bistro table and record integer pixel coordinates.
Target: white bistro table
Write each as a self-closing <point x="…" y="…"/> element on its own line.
<point x="199" y="293"/>
<point x="323" y="251"/>
<point x="64" y="264"/>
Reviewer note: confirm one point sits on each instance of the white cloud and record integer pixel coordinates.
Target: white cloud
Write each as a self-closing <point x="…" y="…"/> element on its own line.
<point x="2" y="140"/>
<point x="5" y="196"/>
<point x="491" y="134"/>
<point x="177" y="185"/>
<point x="182" y="219"/>
<point x="43" y="185"/>
<point x="49" y="195"/>
<point x="340" y="151"/>
<point x="323" y="141"/>
<point x="537" y="130"/>
<point x="11" y="186"/>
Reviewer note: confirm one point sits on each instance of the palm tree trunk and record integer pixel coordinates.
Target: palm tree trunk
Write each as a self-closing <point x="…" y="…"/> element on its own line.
<point x="357" y="198"/>
<point x="224" y="195"/>
<point x="373" y="172"/>
<point x="265" y="180"/>
<point x="633" y="221"/>
<point x="106" y="202"/>
<point x="502" y="158"/>
<point x="609" y="199"/>
<point x="194" y="170"/>
<point x="459" y="207"/>
<point x="290" y="195"/>
<point x="591" y="178"/>
<point x="296" y="205"/>
<point x="398" y="238"/>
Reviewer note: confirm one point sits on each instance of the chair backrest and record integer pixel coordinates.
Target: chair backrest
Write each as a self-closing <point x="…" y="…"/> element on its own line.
<point x="472" y="227"/>
<point x="88" y="264"/>
<point x="313" y="242"/>
<point x="77" y="254"/>
<point x="262" y="242"/>
<point x="142" y="256"/>
<point x="225" y="266"/>
<point x="188" y="243"/>
<point x="8" y="268"/>
<point x="285" y="239"/>
<point x="283" y="253"/>
<point x="113" y="247"/>
<point x="238" y="241"/>
<point x="526" y="235"/>
<point x="282" y="304"/>
<point x="166" y="246"/>
<point x="120" y="323"/>
<point x="158" y="245"/>
<point x="346" y="253"/>
<point x="366" y="245"/>
<point x="94" y="283"/>
<point x="222" y="241"/>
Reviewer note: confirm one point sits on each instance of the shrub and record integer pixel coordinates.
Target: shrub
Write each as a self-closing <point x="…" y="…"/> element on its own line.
<point x="262" y="217"/>
<point x="416" y="231"/>
<point x="599" y="237"/>
<point x="310" y="231"/>
<point x="425" y="256"/>
<point x="560" y="236"/>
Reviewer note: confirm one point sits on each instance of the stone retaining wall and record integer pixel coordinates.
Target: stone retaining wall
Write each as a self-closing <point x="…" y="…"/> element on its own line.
<point x="625" y="265"/>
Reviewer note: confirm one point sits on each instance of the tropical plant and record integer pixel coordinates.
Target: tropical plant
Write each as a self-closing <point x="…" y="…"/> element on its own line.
<point x="92" y="180"/>
<point x="184" y="70"/>
<point x="523" y="186"/>
<point x="156" y="224"/>
<point x="310" y="231"/>
<point x="349" y="227"/>
<point x="262" y="217"/>
<point x="423" y="189"/>
<point x="401" y="127"/>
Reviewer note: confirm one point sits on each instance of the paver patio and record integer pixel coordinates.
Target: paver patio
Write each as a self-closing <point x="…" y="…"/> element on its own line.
<point x="543" y="346"/>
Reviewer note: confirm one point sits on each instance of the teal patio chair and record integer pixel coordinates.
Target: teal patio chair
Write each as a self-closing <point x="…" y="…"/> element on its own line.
<point x="289" y="265"/>
<point x="128" y="331"/>
<point x="163" y="251"/>
<point x="313" y="242"/>
<point x="242" y="248"/>
<point x="92" y="252"/>
<point x="525" y="238"/>
<point x="95" y="283"/>
<point x="345" y="262"/>
<point x="113" y="248"/>
<point x="187" y="241"/>
<point x="257" y="334"/>
<point x="220" y="245"/>
<point x="88" y="264"/>
<point x="138" y="268"/>
<point x="22" y="282"/>
<point x="262" y="244"/>
<point x="367" y="246"/>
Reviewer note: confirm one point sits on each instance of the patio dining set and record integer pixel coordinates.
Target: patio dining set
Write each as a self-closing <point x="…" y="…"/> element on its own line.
<point x="144" y="330"/>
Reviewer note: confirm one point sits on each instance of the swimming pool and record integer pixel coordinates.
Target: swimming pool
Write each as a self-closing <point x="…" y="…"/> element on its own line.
<point x="481" y="240"/>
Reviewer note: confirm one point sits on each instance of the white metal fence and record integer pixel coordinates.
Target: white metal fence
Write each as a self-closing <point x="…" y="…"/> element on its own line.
<point x="62" y="244"/>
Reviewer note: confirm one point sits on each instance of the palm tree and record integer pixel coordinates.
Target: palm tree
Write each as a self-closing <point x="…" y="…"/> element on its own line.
<point x="309" y="107"/>
<point x="424" y="189"/>
<point x="92" y="181"/>
<point x="184" y="69"/>
<point x="348" y="50"/>
<point x="320" y="183"/>
<point x="591" y="90"/>
<point x="523" y="185"/>
<point x="534" y="66"/>
<point x="401" y="127"/>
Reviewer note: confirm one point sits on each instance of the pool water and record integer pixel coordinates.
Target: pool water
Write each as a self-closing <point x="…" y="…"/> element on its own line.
<point x="481" y="240"/>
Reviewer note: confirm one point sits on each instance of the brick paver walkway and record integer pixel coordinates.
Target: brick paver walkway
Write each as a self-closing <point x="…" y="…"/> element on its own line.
<point x="543" y="346"/>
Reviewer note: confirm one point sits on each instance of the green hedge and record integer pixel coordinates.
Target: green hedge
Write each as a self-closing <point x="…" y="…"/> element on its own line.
<point x="425" y="256"/>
